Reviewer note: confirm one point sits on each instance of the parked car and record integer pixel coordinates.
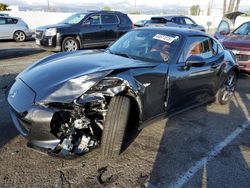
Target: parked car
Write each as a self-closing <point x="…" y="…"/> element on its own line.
<point x="14" y="28"/>
<point x="92" y="29"/>
<point x="237" y="40"/>
<point x="146" y="74"/>
<point x="140" y="23"/>
<point x="175" y="21"/>
<point x="4" y="14"/>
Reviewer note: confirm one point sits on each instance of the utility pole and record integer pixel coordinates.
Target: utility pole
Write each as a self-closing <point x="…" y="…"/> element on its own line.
<point x="135" y="5"/>
<point x="48" y="5"/>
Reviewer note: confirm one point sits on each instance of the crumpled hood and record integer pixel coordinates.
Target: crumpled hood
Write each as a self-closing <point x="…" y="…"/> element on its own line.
<point x="49" y="74"/>
<point x="241" y="42"/>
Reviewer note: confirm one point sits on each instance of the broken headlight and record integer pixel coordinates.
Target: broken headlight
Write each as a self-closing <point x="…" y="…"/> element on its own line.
<point x="107" y="83"/>
<point x="74" y="88"/>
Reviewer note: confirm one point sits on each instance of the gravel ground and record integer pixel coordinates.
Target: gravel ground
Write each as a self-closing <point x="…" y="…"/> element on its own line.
<point x="162" y="155"/>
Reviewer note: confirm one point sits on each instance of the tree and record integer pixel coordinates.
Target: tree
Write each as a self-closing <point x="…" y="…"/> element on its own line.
<point x="3" y="7"/>
<point x="106" y="8"/>
<point x="195" y="10"/>
<point x="230" y="6"/>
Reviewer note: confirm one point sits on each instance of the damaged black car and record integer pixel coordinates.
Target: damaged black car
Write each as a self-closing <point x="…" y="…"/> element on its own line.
<point x="71" y="103"/>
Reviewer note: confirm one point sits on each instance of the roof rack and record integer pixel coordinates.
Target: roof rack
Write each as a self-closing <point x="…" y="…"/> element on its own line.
<point x="109" y="11"/>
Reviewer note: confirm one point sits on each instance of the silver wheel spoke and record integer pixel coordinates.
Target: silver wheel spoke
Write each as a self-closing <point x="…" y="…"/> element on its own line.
<point x="70" y="45"/>
<point x="228" y="88"/>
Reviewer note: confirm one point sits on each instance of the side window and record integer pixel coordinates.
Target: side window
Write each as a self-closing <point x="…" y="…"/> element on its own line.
<point x="109" y="19"/>
<point x="223" y="26"/>
<point x="199" y="46"/>
<point x="2" y="21"/>
<point x="188" y="21"/>
<point x="176" y="20"/>
<point x="182" y="21"/>
<point x="93" y="20"/>
<point x="9" y="21"/>
<point x="125" y="20"/>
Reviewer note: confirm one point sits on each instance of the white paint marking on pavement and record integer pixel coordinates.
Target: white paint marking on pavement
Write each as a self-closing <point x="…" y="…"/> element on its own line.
<point x="215" y="151"/>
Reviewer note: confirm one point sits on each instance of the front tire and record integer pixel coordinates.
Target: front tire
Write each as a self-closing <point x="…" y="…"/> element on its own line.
<point x="19" y="36"/>
<point x="115" y="126"/>
<point x="227" y="89"/>
<point x="70" y="44"/>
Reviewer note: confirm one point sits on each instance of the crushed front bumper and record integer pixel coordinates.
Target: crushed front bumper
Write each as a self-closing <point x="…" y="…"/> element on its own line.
<point x="32" y="121"/>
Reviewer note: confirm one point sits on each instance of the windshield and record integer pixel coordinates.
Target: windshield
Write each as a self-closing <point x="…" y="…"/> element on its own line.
<point x="148" y="45"/>
<point x="73" y="19"/>
<point x="244" y="29"/>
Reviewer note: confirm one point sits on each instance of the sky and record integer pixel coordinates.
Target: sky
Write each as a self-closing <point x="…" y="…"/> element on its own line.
<point x="112" y="3"/>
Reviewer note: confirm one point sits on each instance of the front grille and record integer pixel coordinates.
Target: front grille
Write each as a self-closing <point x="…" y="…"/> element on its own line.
<point x="242" y="57"/>
<point x="39" y="34"/>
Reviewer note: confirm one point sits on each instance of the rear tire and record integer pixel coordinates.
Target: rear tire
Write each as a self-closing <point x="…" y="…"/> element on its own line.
<point x="115" y="126"/>
<point x="19" y="36"/>
<point x="70" y="44"/>
<point x="227" y="89"/>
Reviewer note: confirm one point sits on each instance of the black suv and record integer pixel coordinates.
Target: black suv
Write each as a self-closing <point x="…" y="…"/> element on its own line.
<point x="81" y="30"/>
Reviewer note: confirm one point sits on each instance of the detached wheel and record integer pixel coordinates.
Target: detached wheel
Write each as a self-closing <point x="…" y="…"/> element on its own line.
<point x="226" y="91"/>
<point x="70" y="44"/>
<point x="19" y="36"/>
<point x="115" y="126"/>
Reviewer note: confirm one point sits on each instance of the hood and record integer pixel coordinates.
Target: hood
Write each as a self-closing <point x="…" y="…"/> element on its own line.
<point x="58" y="26"/>
<point x="51" y="73"/>
<point x="241" y="42"/>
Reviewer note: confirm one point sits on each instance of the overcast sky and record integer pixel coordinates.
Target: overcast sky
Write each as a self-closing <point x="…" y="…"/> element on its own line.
<point x="112" y="3"/>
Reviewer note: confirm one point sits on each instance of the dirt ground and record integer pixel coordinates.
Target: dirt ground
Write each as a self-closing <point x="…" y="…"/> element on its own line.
<point x="205" y="147"/>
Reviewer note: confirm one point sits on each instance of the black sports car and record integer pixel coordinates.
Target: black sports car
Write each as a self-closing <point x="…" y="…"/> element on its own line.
<point x="70" y="103"/>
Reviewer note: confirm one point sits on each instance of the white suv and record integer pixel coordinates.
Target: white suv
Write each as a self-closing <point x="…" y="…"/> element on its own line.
<point x="14" y="28"/>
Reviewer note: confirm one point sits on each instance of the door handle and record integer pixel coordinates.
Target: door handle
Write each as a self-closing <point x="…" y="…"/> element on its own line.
<point x="214" y="65"/>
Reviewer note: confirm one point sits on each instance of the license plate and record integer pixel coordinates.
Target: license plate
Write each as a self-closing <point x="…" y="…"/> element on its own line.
<point x="38" y="42"/>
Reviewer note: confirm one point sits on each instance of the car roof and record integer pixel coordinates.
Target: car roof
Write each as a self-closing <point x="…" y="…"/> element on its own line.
<point x="7" y="16"/>
<point x="169" y="16"/>
<point x="176" y="30"/>
<point x="104" y="11"/>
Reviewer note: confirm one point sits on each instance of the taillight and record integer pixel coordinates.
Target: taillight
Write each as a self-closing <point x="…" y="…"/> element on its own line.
<point x="133" y="26"/>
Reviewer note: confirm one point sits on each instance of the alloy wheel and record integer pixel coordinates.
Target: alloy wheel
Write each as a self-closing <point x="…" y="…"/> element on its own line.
<point x="228" y="89"/>
<point x="20" y="36"/>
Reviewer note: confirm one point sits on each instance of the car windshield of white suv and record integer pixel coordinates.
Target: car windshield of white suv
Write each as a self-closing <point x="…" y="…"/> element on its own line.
<point x="74" y="19"/>
<point x="153" y="46"/>
<point x="244" y="29"/>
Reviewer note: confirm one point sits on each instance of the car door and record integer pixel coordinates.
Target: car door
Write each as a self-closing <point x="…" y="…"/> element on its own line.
<point x="110" y="24"/>
<point x="6" y="27"/>
<point x="92" y="31"/>
<point x="194" y="85"/>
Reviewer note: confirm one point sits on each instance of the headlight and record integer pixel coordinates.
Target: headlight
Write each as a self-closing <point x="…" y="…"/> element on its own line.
<point x="50" y="32"/>
<point x="74" y="88"/>
<point x="107" y="83"/>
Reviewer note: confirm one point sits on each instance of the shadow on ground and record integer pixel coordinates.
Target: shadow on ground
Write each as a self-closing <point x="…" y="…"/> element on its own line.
<point x="7" y="129"/>
<point x="18" y="52"/>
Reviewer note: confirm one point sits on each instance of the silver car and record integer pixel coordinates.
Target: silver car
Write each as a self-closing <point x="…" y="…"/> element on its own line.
<point x="14" y="28"/>
<point x="175" y="21"/>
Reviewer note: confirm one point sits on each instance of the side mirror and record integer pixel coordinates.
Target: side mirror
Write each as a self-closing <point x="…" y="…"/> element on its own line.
<point x="224" y="32"/>
<point x="195" y="61"/>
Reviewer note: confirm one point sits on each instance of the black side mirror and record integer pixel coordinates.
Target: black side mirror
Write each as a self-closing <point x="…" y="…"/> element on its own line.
<point x="195" y="61"/>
